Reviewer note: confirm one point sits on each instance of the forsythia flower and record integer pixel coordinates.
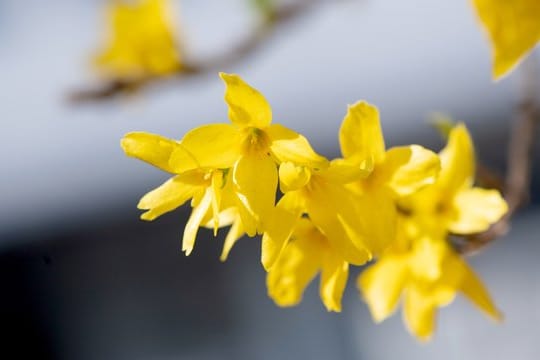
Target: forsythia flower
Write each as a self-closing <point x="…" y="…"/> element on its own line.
<point x="229" y="171"/>
<point x="421" y="266"/>
<point x="141" y="41"/>
<point x="251" y="147"/>
<point x="352" y="227"/>
<point x="513" y="28"/>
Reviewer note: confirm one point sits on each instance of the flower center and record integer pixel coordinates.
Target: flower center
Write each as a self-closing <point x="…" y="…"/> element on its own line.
<point x="255" y="141"/>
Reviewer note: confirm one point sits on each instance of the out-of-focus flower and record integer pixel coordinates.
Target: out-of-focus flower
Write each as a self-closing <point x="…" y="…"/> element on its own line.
<point x="420" y="266"/>
<point x="513" y="29"/>
<point x="141" y="41"/>
<point x="425" y="277"/>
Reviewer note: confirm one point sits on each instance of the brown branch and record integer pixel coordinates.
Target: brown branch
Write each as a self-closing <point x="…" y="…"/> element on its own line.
<point x="280" y="16"/>
<point x="519" y="162"/>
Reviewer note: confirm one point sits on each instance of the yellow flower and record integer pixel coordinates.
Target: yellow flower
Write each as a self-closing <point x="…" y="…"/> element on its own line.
<point x="395" y="173"/>
<point x="452" y="203"/>
<point x="307" y="253"/>
<point x="141" y="41"/>
<point x="426" y="277"/>
<point x="211" y="192"/>
<point x="420" y="266"/>
<point x="229" y="171"/>
<point x="513" y="29"/>
<point x="251" y="147"/>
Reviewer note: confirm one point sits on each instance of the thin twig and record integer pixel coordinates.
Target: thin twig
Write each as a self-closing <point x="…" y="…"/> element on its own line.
<point x="280" y="16"/>
<point x="520" y="159"/>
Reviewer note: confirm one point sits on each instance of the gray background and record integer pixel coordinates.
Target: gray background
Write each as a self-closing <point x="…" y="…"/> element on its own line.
<point x="85" y="279"/>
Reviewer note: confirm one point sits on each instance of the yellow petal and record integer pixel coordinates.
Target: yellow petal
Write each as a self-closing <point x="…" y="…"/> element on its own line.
<point x="381" y="285"/>
<point x="376" y="225"/>
<point x="408" y="168"/>
<point x="473" y="288"/>
<point x="170" y="195"/>
<point x="360" y="135"/>
<point x="513" y="29"/>
<point x="334" y="276"/>
<point x="153" y="149"/>
<point x="235" y="233"/>
<point x="215" y="146"/>
<point x="288" y="145"/>
<point x="419" y="314"/>
<point x="344" y="171"/>
<point x="247" y="107"/>
<point x="216" y="185"/>
<point x="294" y="270"/>
<point x="457" y="162"/>
<point x="292" y="177"/>
<point x="192" y="226"/>
<point x="280" y="227"/>
<point x="476" y="209"/>
<point x="256" y="179"/>
<point x="329" y="208"/>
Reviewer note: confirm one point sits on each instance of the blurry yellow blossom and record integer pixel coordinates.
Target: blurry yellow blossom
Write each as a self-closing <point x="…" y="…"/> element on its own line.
<point x="453" y="203"/>
<point x="425" y="277"/>
<point x="141" y="40"/>
<point x="513" y="27"/>
<point x="420" y="267"/>
<point x="307" y="253"/>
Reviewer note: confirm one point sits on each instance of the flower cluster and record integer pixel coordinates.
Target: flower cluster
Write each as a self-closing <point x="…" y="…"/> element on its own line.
<point x="396" y="205"/>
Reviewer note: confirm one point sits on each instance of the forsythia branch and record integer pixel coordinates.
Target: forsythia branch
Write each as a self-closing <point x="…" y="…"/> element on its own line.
<point x="280" y="16"/>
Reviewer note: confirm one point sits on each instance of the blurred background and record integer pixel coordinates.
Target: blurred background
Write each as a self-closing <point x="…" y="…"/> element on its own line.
<point x="83" y="278"/>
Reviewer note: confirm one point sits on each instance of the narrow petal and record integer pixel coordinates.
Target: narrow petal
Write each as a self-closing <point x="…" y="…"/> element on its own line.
<point x="215" y="146"/>
<point x="153" y="149"/>
<point x="513" y="29"/>
<point x="170" y="195"/>
<point x="457" y="161"/>
<point x="288" y="145"/>
<point x="476" y="209"/>
<point x="280" y="227"/>
<point x="419" y="314"/>
<point x="334" y="275"/>
<point x="329" y="208"/>
<point x="247" y="106"/>
<point x="375" y="224"/>
<point x="294" y="270"/>
<point x="192" y="226"/>
<point x="360" y="135"/>
<point x="256" y="179"/>
<point x="473" y="288"/>
<point x="382" y="284"/>
<point x="408" y="168"/>
<point x="235" y="233"/>
<point x="216" y="185"/>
